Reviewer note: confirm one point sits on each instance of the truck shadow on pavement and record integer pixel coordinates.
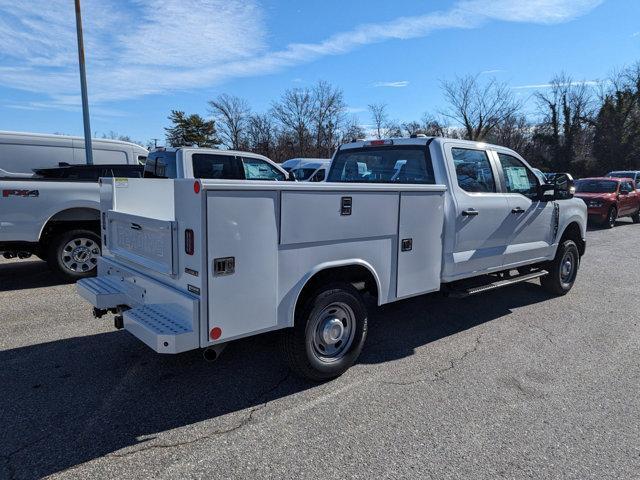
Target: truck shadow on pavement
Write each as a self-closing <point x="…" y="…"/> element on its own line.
<point x="26" y="274"/>
<point x="71" y="401"/>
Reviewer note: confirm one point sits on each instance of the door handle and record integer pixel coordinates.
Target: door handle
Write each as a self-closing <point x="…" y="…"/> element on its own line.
<point x="517" y="210"/>
<point x="471" y="212"/>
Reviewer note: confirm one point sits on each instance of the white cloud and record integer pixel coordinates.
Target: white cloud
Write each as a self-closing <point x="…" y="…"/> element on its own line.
<point x="535" y="11"/>
<point x="143" y="47"/>
<point x="492" y="72"/>
<point x="398" y="84"/>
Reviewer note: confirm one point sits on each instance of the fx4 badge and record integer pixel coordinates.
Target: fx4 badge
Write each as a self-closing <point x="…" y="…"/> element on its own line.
<point x="20" y="193"/>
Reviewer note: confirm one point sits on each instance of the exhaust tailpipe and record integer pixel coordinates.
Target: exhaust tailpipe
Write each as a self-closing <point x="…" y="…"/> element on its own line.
<point x="211" y="354"/>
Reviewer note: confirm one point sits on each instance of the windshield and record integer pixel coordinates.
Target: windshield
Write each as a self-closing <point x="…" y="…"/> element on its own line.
<point x="622" y="174"/>
<point x="395" y="164"/>
<point x="596" y="186"/>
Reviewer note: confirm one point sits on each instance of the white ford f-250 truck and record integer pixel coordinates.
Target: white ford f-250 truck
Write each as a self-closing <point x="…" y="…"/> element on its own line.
<point x="195" y="264"/>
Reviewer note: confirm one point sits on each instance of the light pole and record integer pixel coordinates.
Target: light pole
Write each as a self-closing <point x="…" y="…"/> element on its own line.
<point x="83" y="87"/>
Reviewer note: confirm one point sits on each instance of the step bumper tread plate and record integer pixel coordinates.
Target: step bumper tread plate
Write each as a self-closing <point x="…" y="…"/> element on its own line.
<point x="164" y="328"/>
<point x="101" y="292"/>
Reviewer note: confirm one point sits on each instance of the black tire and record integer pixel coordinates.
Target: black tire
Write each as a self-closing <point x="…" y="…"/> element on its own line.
<point x="79" y="262"/>
<point x="610" y="222"/>
<point x="339" y="307"/>
<point x="561" y="277"/>
<point x="636" y="217"/>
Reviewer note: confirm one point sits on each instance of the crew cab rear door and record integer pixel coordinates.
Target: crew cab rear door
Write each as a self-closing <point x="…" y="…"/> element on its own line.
<point x="481" y="212"/>
<point x="530" y="222"/>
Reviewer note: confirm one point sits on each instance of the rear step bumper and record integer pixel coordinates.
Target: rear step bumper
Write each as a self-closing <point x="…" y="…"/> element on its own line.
<point x="466" y="292"/>
<point x="162" y="317"/>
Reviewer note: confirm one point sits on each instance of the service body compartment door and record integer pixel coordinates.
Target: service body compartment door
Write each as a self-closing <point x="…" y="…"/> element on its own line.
<point x="420" y="243"/>
<point x="242" y="239"/>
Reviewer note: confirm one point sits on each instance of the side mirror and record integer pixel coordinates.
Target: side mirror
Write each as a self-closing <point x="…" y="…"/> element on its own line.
<point x="546" y="192"/>
<point x="562" y="188"/>
<point x="291" y="177"/>
<point x="624" y="192"/>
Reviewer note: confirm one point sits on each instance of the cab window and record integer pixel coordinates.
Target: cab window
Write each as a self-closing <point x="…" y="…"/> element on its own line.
<point x="256" y="169"/>
<point x="517" y="177"/>
<point x="626" y="187"/>
<point x="473" y="170"/>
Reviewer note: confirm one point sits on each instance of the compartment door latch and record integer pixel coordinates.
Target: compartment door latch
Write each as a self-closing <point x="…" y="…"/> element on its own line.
<point x="224" y="266"/>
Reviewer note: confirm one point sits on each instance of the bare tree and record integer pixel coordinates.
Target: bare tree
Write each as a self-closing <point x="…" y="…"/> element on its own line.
<point x="232" y="116"/>
<point x="478" y="108"/>
<point x="392" y="129"/>
<point x="261" y="134"/>
<point x="379" y="116"/>
<point x="328" y="112"/>
<point x="295" y="112"/>
<point x="352" y="130"/>
<point x="513" y="132"/>
<point x="432" y="127"/>
<point x="564" y="134"/>
<point x="412" y="128"/>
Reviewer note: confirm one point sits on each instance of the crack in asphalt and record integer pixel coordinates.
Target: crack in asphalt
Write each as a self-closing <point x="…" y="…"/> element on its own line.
<point x="547" y="333"/>
<point x="439" y="374"/>
<point x="8" y="458"/>
<point x="242" y="423"/>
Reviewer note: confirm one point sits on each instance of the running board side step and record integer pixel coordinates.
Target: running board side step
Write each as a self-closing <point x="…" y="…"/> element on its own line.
<point x="462" y="292"/>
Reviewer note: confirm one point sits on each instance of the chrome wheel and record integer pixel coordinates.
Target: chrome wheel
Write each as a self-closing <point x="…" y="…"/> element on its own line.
<point x="332" y="331"/>
<point x="80" y="255"/>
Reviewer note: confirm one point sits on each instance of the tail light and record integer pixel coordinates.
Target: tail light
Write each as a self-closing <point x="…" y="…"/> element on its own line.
<point x="189" y="242"/>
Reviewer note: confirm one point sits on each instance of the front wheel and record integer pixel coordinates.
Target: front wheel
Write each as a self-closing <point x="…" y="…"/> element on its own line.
<point x="329" y="333"/>
<point x="74" y="254"/>
<point x="563" y="269"/>
<point x="610" y="222"/>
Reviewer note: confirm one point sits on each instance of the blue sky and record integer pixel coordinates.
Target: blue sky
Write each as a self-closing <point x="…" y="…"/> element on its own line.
<point x="146" y="57"/>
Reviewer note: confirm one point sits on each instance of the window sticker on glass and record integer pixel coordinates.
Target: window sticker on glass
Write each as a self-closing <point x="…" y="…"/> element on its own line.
<point x="517" y="178"/>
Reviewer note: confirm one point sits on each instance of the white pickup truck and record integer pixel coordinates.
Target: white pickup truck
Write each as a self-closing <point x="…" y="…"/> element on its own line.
<point x="195" y="264"/>
<point x="55" y="215"/>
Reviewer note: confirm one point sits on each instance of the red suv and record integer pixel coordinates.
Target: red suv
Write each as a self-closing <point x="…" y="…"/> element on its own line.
<point x="609" y="198"/>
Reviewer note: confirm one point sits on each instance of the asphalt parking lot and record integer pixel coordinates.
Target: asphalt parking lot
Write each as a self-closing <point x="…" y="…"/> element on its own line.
<point x="510" y="384"/>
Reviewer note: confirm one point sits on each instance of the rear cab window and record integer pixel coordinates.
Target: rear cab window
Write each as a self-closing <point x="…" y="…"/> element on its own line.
<point x="161" y="164"/>
<point x="406" y="164"/>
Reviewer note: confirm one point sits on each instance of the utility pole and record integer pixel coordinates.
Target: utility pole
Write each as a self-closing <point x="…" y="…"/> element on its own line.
<point x="83" y="87"/>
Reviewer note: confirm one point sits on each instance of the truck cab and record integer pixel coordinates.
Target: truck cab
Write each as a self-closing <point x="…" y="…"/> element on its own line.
<point x="208" y="163"/>
<point x="495" y="217"/>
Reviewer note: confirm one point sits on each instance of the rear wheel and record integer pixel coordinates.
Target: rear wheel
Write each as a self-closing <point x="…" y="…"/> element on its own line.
<point x="636" y="217"/>
<point x="563" y="269"/>
<point x="74" y="254"/>
<point x="329" y="333"/>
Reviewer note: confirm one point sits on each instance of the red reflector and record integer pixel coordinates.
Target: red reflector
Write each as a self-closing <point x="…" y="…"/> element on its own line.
<point x="216" y="333"/>
<point x="377" y="142"/>
<point x="189" y="242"/>
<point x="196" y="186"/>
